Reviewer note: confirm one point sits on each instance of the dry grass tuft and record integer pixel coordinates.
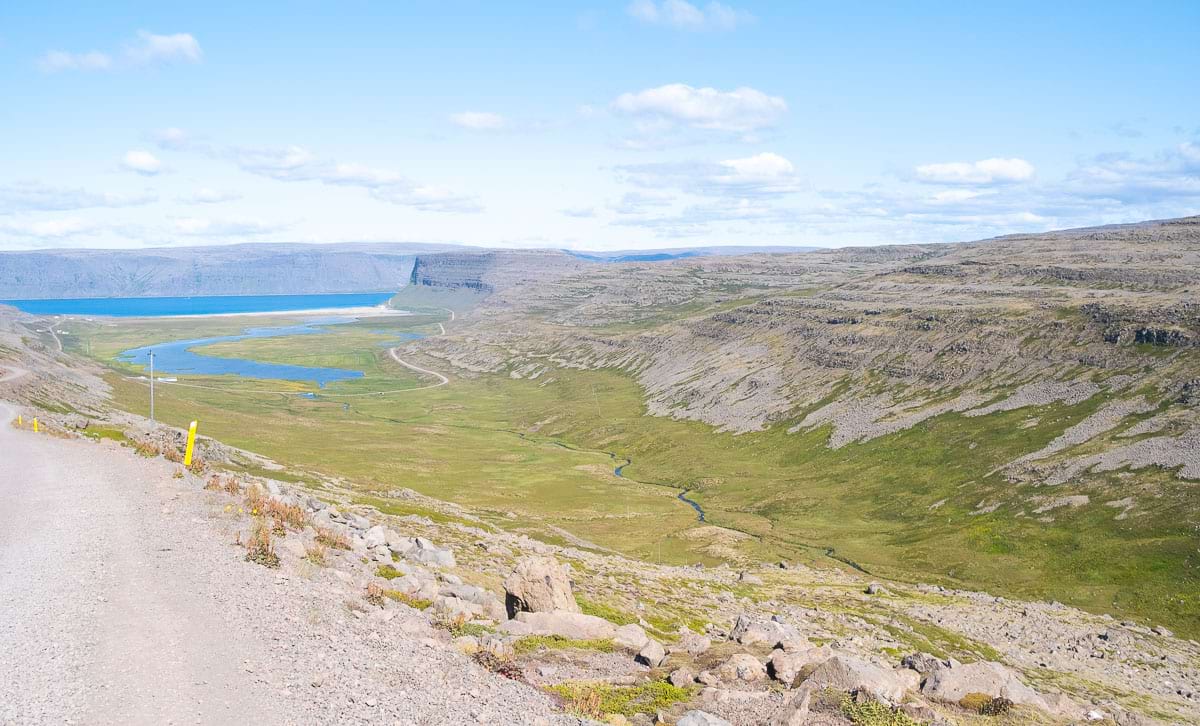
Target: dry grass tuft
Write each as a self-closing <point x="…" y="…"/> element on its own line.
<point x="316" y="553"/>
<point x="333" y="538"/>
<point x="374" y="594"/>
<point x="260" y="549"/>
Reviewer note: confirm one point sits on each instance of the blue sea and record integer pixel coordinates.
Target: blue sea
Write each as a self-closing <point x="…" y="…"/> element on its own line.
<point x="136" y="307"/>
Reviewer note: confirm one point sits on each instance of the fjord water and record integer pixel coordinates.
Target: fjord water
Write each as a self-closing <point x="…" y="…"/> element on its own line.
<point x="127" y="307"/>
<point x="179" y="357"/>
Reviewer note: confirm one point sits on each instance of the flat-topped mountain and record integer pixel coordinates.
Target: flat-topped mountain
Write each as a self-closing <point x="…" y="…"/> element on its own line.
<point x="255" y="269"/>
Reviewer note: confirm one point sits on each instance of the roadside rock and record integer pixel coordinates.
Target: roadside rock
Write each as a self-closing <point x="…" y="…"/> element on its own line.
<point x="845" y="673"/>
<point x="537" y="585"/>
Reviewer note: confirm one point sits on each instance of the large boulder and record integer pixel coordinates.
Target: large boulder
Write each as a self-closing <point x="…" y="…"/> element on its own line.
<point x="794" y="711"/>
<point x="428" y="553"/>
<point x="786" y="667"/>
<point x="652" y="654"/>
<point x="846" y="673"/>
<point x="991" y="679"/>
<point x="539" y="585"/>
<point x="750" y="631"/>
<point x="691" y="643"/>
<point x="631" y="637"/>
<point x="568" y="625"/>
<point x="376" y="536"/>
<point x="742" y="667"/>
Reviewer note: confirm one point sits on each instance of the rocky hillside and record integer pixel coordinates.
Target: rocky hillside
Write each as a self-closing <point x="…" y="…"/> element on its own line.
<point x="226" y="270"/>
<point x="1036" y="395"/>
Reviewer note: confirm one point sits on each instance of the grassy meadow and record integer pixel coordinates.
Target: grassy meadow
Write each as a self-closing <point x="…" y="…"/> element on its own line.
<point x="538" y="456"/>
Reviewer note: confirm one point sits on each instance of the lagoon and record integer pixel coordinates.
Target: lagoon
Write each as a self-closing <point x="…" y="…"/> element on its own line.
<point x="127" y="307"/>
<point x="179" y="357"/>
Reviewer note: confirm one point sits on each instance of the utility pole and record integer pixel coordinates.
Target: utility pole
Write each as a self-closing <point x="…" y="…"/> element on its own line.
<point x="151" y="386"/>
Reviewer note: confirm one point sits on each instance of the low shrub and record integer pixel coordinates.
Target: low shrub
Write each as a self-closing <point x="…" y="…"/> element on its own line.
<point x="874" y="713"/>
<point x="996" y="707"/>
<point x="531" y="643"/>
<point x="387" y="572"/>
<point x="594" y="699"/>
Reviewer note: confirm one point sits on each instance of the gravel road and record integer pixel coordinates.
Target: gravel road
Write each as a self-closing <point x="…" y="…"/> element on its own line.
<point x="124" y="601"/>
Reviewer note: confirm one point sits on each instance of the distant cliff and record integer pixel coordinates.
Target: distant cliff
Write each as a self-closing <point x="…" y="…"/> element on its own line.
<point x="486" y="272"/>
<point x="228" y="270"/>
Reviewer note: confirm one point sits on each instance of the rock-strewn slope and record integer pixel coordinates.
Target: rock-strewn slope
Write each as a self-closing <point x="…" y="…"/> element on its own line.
<point x="350" y="615"/>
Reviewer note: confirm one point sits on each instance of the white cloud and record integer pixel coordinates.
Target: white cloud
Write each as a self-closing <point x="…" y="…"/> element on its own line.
<point x="172" y="138"/>
<point x="740" y="110"/>
<point x="686" y="16"/>
<point x="295" y="164"/>
<point x="760" y="167"/>
<point x="640" y="203"/>
<point x="48" y="229"/>
<point x="206" y="227"/>
<point x="57" y="60"/>
<point x="578" y="212"/>
<point x="478" y="120"/>
<point x="142" y="162"/>
<point x="427" y="198"/>
<point x="762" y="175"/>
<point x="151" y="48"/>
<point x="34" y="196"/>
<point x="207" y="195"/>
<point x="148" y="48"/>
<point x="987" y="171"/>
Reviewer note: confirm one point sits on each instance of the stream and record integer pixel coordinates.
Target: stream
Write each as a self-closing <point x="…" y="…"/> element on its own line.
<point x="682" y="496"/>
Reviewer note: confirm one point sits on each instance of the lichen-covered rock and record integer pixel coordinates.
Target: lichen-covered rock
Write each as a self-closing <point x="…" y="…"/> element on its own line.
<point x="538" y="585"/>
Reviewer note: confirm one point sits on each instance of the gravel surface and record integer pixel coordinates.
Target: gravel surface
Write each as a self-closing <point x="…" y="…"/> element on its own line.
<point x="125" y="602"/>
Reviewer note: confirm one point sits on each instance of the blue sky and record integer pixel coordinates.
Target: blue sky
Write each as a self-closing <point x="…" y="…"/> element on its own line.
<point x="591" y="125"/>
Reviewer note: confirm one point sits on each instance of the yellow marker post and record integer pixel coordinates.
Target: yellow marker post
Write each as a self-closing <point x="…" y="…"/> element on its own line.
<point x="187" y="457"/>
<point x="20" y="422"/>
<point x="35" y="426"/>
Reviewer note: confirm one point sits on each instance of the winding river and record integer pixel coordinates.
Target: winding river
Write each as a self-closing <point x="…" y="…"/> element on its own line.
<point x="682" y="496"/>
